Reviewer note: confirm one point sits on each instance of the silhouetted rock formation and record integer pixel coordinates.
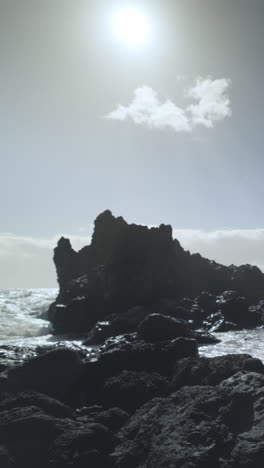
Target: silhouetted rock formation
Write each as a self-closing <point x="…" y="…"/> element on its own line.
<point x="128" y="265"/>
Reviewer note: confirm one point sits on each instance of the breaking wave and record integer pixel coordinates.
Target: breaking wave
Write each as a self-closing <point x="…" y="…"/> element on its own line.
<point x="23" y="313"/>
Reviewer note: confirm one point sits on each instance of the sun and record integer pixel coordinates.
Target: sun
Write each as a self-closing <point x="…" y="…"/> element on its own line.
<point x="131" y="26"/>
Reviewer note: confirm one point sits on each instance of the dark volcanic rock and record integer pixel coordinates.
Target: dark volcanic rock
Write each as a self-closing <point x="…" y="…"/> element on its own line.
<point x="157" y="327"/>
<point x="38" y="400"/>
<point x="53" y="373"/>
<point x="78" y="316"/>
<point x="66" y="262"/>
<point x="218" y="426"/>
<point x="150" y="357"/>
<point x="6" y="461"/>
<point x="137" y="356"/>
<point x="212" y="371"/>
<point x="249" y="449"/>
<point x="207" y="302"/>
<point x="196" y="427"/>
<point x="233" y="314"/>
<point x="87" y="445"/>
<point x="113" y="418"/>
<point x="131" y="389"/>
<point x="128" y="265"/>
<point x="29" y="433"/>
<point x="116" y="324"/>
<point x="35" y="439"/>
<point x="203" y="337"/>
<point x="234" y="308"/>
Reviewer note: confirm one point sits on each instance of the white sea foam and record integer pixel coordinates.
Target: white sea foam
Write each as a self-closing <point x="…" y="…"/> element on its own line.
<point x="236" y="342"/>
<point x="23" y="313"/>
<point x="23" y="321"/>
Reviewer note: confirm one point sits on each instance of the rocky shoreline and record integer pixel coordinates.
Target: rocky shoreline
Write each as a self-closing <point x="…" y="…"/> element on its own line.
<point x="143" y="398"/>
<point x="133" y="403"/>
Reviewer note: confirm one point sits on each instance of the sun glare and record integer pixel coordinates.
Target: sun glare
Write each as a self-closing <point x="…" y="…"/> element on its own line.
<point x="131" y="26"/>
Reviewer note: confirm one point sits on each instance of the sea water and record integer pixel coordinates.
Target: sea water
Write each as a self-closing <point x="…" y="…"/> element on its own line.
<point x="23" y="315"/>
<point x="23" y="322"/>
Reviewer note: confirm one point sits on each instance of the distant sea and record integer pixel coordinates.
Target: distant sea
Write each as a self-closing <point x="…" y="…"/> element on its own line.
<point x="23" y="322"/>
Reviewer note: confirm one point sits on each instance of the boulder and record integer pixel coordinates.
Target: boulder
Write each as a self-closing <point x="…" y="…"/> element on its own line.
<point x="78" y="316"/>
<point x="113" y="418"/>
<point x="116" y="324"/>
<point x="248" y="382"/>
<point x="204" y="337"/>
<point x="207" y="302"/>
<point x="86" y="445"/>
<point x="135" y="356"/>
<point x="150" y="357"/>
<point x="234" y="309"/>
<point x="43" y="402"/>
<point x="249" y="449"/>
<point x="35" y="439"/>
<point x="195" y="427"/>
<point x="212" y="371"/>
<point x="157" y="327"/>
<point x="29" y="435"/>
<point x="131" y="389"/>
<point x="53" y="373"/>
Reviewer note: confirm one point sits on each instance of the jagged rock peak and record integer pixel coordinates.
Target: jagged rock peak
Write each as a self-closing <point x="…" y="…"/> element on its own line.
<point x="64" y="243"/>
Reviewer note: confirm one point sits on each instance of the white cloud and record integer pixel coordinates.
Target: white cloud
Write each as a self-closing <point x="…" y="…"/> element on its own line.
<point x="26" y="262"/>
<point x="146" y="109"/>
<point x="212" y="104"/>
<point x="226" y="246"/>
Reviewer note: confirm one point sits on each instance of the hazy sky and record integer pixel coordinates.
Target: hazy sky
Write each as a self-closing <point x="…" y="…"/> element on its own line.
<point x="167" y="130"/>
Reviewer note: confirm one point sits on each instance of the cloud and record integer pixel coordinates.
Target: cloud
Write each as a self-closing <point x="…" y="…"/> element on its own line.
<point x="211" y="104"/>
<point x="227" y="246"/>
<point x="145" y="109"/>
<point x="26" y="262"/>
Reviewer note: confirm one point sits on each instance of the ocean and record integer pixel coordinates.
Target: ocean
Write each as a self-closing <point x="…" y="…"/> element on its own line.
<point x="23" y="315"/>
<point x="23" y="322"/>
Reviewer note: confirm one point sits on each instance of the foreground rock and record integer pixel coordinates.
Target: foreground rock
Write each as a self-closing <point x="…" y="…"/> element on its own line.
<point x="131" y="371"/>
<point x="130" y="265"/>
<point x="195" y="427"/>
<point x="137" y="405"/>
<point x="35" y="439"/>
<point x="131" y="389"/>
<point x="53" y="373"/>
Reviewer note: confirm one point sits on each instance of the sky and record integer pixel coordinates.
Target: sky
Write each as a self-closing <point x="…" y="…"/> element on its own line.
<point x="167" y="129"/>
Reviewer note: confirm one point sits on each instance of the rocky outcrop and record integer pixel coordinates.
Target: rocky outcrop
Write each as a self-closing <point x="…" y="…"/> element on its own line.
<point x="195" y="427"/>
<point x="129" y="265"/>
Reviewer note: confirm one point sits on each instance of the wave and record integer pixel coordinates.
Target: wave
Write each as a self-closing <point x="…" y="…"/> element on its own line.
<point x="23" y="312"/>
